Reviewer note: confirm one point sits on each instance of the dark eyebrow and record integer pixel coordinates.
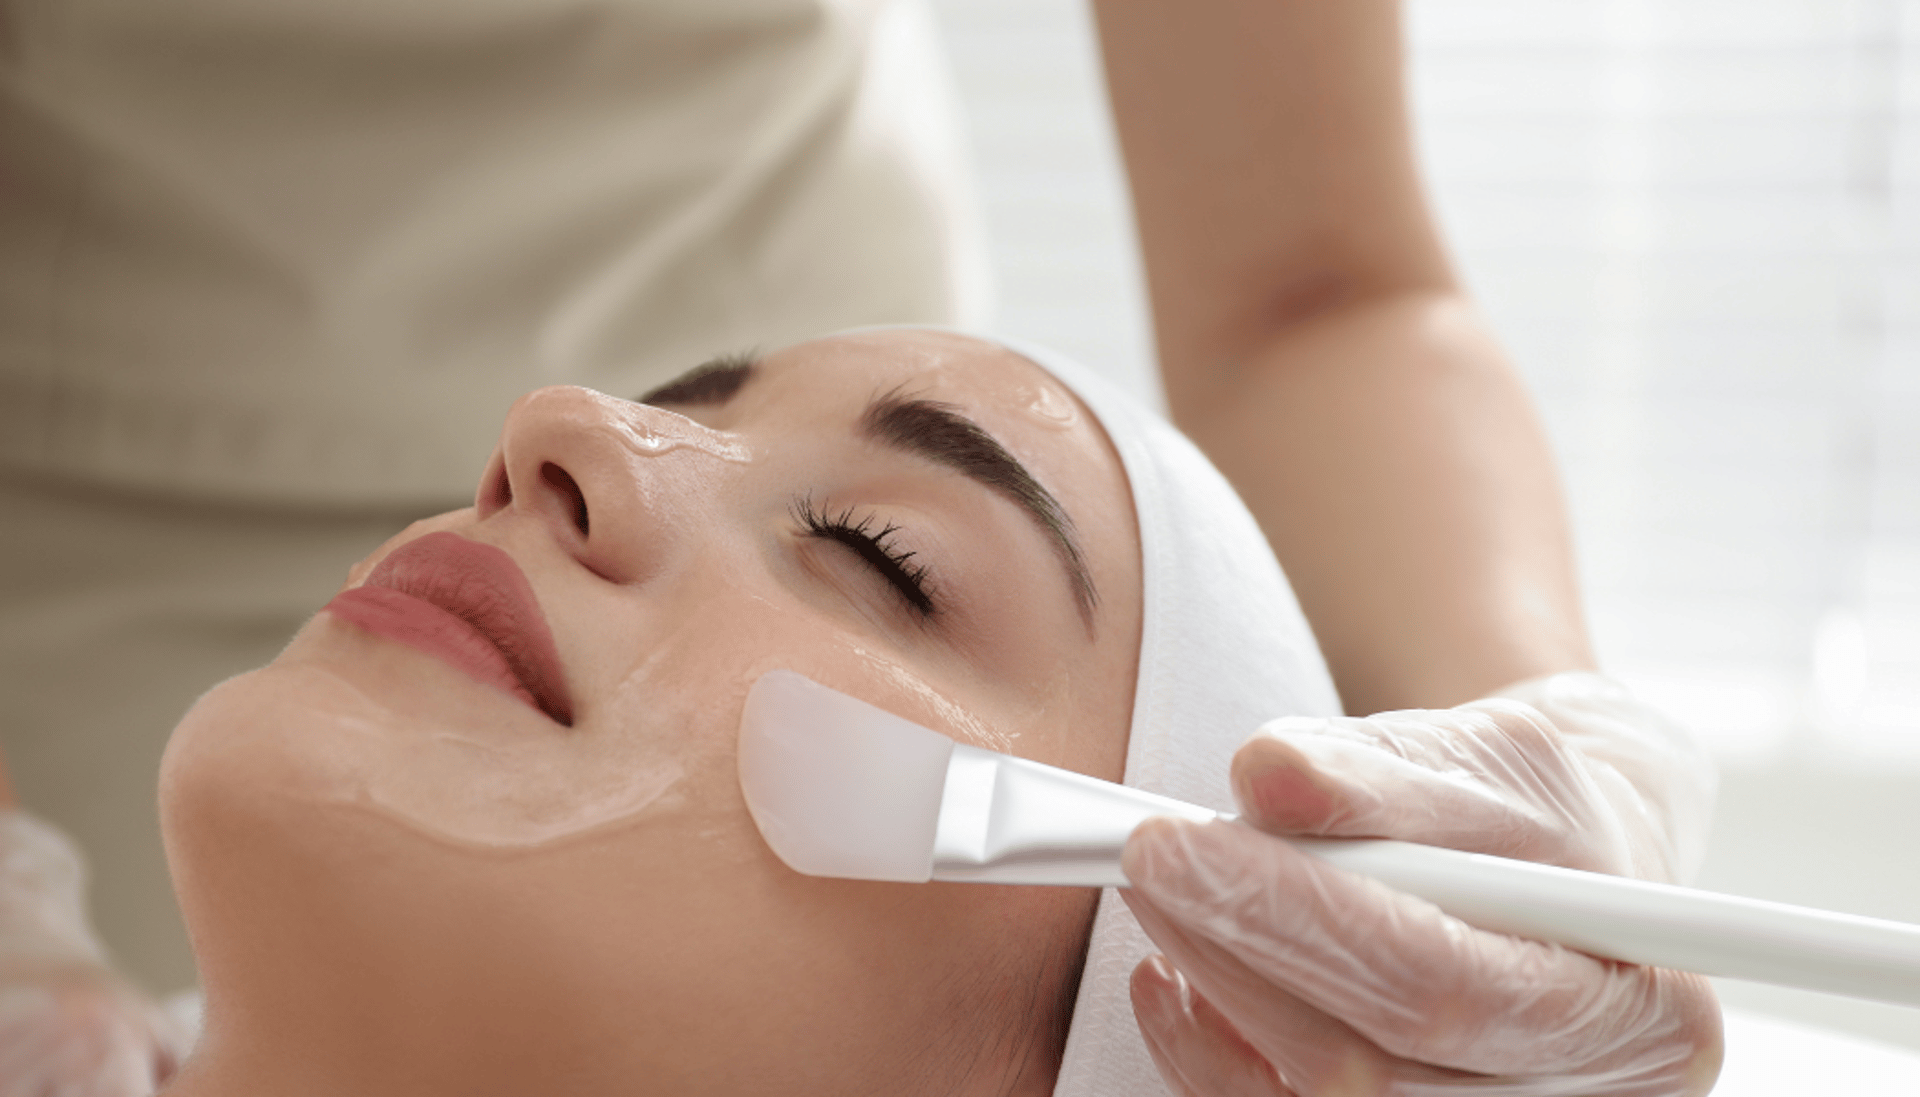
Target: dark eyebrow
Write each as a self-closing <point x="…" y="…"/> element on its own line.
<point x="711" y="382"/>
<point x="938" y="432"/>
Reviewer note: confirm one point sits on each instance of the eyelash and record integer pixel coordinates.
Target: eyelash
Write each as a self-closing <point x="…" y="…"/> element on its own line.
<point x="913" y="581"/>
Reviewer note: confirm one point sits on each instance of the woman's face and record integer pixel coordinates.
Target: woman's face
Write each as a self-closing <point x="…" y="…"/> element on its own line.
<point x="505" y="854"/>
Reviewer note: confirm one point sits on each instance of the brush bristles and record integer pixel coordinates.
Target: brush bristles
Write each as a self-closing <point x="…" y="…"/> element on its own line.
<point x="837" y="786"/>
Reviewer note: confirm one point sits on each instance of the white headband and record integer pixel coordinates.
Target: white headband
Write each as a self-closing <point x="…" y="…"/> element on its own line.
<point x="1223" y="649"/>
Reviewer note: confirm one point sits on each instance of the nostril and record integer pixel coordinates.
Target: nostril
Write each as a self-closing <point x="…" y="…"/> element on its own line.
<point x="563" y="483"/>
<point x="500" y="492"/>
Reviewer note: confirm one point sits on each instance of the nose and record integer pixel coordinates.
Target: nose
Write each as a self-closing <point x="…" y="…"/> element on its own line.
<point x="616" y="484"/>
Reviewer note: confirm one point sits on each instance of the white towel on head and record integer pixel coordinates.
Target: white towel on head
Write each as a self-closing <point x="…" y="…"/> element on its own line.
<point x="1223" y="649"/>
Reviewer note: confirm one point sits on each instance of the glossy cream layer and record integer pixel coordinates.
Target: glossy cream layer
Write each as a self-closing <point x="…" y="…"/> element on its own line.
<point x="430" y="857"/>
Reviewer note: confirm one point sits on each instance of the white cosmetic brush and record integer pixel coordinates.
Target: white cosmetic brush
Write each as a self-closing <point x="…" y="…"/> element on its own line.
<point x="841" y="788"/>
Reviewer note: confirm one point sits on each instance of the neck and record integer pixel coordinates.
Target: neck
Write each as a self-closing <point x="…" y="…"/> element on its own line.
<point x="326" y="1048"/>
<point x="345" y="969"/>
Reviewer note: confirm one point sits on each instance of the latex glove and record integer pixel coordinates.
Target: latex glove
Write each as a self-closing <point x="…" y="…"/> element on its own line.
<point x="69" y="1027"/>
<point x="1290" y="976"/>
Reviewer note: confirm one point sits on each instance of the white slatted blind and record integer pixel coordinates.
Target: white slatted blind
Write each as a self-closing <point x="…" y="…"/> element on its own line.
<point x="1695" y="223"/>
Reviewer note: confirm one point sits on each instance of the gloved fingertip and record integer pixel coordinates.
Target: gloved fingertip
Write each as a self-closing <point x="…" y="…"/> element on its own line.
<point x="1152" y="850"/>
<point x="1156" y="990"/>
<point x="1160" y="968"/>
<point x="1189" y="871"/>
<point x="1279" y="788"/>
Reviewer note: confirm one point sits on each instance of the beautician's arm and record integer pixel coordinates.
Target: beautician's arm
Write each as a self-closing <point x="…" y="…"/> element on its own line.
<point x="1318" y="346"/>
<point x="1317" y="343"/>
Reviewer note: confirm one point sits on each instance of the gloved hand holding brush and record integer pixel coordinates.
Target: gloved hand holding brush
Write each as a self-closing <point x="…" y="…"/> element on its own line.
<point x="1285" y="975"/>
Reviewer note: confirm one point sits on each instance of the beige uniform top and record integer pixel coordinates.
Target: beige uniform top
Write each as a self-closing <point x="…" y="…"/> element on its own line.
<point x="308" y="251"/>
<point x="271" y="272"/>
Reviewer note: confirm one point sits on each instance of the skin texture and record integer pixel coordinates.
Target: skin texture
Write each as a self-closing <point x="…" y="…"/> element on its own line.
<point x="1318" y="345"/>
<point x="391" y="883"/>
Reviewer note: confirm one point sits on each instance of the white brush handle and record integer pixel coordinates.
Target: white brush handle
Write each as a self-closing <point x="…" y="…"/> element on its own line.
<point x="1006" y="820"/>
<point x="1646" y="923"/>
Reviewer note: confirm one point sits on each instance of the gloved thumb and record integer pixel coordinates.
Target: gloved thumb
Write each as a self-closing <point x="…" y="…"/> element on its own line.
<point x="1282" y="788"/>
<point x="1486" y="777"/>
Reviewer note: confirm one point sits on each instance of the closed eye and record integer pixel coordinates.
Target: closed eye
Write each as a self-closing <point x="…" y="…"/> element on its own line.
<point x="874" y="542"/>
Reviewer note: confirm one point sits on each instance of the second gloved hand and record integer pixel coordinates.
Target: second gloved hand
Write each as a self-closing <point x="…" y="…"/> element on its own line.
<point x="69" y="1026"/>
<point x="1283" y="975"/>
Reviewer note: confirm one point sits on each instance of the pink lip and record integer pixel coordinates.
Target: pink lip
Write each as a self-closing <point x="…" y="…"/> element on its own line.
<point x="470" y="605"/>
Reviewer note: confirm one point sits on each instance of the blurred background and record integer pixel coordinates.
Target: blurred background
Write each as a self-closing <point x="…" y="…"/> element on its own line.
<point x="1697" y="225"/>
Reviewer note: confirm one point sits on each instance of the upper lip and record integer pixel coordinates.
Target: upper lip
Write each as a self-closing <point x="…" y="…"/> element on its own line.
<point x="481" y="585"/>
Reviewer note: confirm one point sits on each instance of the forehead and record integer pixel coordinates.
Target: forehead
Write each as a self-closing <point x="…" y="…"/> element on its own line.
<point x="1032" y="414"/>
<point x="987" y="379"/>
<point x="1035" y="416"/>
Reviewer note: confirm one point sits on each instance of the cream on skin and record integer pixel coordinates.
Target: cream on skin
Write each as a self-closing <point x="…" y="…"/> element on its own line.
<point x="403" y="879"/>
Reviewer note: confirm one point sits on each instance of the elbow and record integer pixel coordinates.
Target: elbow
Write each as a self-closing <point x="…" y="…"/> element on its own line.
<point x="1331" y="322"/>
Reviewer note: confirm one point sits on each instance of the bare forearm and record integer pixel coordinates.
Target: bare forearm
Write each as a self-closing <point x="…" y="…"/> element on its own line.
<point x="1401" y="474"/>
<point x="1267" y="149"/>
<point x="1315" y="342"/>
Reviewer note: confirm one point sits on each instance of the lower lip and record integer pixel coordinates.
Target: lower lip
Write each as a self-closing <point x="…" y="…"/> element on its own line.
<point x="426" y="627"/>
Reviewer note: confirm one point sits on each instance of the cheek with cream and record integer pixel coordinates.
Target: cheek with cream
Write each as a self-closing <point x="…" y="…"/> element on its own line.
<point x="351" y="720"/>
<point x="301" y="735"/>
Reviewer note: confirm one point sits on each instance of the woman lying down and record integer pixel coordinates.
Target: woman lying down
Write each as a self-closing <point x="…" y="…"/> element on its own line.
<point x="478" y="829"/>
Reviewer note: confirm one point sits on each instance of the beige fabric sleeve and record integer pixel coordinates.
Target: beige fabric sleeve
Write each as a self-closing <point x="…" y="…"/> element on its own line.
<point x="310" y="251"/>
